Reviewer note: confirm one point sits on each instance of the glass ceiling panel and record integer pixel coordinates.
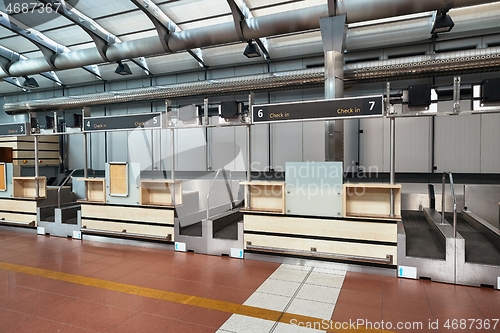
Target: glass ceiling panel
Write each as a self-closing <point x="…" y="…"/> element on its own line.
<point x="296" y="45"/>
<point x="100" y="8"/>
<point x="42" y="21"/>
<point x="76" y="76"/>
<point x="126" y="23"/>
<point x="208" y="22"/>
<point x="227" y="54"/>
<point x="69" y="36"/>
<point x="288" y="7"/>
<point x="175" y="62"/>
<point x="18" y="44"/>
<point x="189" y="10"/>
<point x="140" y="35"/>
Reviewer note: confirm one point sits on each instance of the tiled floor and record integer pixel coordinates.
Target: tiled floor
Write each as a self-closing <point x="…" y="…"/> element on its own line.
<point x="50" y="284"/>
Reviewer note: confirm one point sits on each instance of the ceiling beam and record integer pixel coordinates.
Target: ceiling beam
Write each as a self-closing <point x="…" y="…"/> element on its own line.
<point x="165" y="26"/>
<point x="241" y="12"/>
<point x="101" y="37"/>
<point x="8" y="57"/>
<point x="49" y="48"/>
<point x="15" y="82"/>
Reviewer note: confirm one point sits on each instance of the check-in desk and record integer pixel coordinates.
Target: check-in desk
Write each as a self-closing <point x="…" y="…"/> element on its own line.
<point x="19" y="199"/>
<point x="314" y="215"/>
<point x="130" y="207"/>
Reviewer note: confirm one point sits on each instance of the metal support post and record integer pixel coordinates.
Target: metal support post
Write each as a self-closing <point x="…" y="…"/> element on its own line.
<point x="456" y="94"/>
<point x="249" y="148"/>
<point x="85" y="162"/>
<point x="172" y="172"/>
<point x="392" y="162"/>
<point x="443" y="198"/>
<point x="333" y="32"/>
<point x="37" y="173"/>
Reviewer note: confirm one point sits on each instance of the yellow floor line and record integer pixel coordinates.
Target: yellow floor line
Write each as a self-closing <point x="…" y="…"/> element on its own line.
<point x="202" y="302"/>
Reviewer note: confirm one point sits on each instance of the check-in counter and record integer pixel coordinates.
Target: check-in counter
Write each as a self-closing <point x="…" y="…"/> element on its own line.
<point x="313" y="215"/>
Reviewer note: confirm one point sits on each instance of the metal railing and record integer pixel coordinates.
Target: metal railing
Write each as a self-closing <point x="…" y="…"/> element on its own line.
<point x="228" y="185"/>
<point x="64" y="183"/>
<point x="443" y="204"/>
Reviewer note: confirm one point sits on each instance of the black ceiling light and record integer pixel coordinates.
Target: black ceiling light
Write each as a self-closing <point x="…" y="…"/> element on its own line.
<point x="252" y="50"/>
<point x="122" y="68"/>
<point x="30" y="82"/>
<point x="442" y="22"/>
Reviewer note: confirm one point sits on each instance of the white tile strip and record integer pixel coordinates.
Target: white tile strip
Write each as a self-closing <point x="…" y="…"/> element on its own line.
<point x="243" y="324"/>
<point x="302" y="290"/>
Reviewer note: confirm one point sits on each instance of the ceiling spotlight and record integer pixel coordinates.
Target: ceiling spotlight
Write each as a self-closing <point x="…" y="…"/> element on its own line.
<point x="30" y="82"/>
<point x="442" y="22"/>
<point x="251" y="51"/>
<point x="122" y="68"/>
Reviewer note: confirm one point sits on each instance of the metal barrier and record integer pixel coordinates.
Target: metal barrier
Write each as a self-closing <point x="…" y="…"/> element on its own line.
<point x="228" y="185"/>
<point x="452" y="186"/>
<point x="64" y="183"/>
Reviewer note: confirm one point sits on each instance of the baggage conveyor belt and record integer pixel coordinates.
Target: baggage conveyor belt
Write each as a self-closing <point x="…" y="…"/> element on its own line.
<point x="421" y="238"/>
<point x="478" y="249"/>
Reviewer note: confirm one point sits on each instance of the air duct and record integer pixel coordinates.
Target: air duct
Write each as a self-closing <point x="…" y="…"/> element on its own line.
<point x="452" y="63"/>
<point x="262" y="82"/>
<point x="258" y="27"/>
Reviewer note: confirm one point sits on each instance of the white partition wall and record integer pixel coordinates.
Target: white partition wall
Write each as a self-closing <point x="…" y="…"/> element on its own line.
<point x="458" y="144"/>
<point x="490" y="140"/>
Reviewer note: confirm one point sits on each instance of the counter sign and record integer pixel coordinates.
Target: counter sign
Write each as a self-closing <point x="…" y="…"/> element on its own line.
<point x="16" y="129"/>
<point x="370" y="106"/>
<point x="124" y="122"/>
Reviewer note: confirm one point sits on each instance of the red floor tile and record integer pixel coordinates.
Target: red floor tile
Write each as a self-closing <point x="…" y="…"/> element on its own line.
<point x="166" y="309"/>
<point x="144" y="323"/>
<point x="360" y="298"/>
<point x="12" y="320"/>
<point x="228" y="294"/>
<point x="205" y="317"/>
<point x="415" y="308"/>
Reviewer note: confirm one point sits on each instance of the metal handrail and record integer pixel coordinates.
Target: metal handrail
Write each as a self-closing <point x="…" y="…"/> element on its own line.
<point x="212" y="187"/>
<point x="64" y="183"/>
<point x="452" y="186"/>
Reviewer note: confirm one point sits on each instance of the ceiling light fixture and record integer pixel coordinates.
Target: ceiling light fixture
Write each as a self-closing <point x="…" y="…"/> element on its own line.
<point x="30" y="82"/>
<point x="251" y="51"/>
<point x="442" y="22"/>
<point x="122" y="68"/>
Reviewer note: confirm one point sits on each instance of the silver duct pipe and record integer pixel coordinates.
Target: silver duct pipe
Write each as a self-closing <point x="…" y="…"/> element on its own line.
<point x="452" y="63"/>
<point x="253" y="83"/>
<point x="263" y="26"/>
<point x="468" y="22"/>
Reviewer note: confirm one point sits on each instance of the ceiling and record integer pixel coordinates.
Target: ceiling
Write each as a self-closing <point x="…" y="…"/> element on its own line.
<point x="123" y="19"/>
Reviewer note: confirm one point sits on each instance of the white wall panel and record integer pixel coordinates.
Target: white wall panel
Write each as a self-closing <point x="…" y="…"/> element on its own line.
<point x="118" y="149"/>
<point x="223" y="148"/>
<point x="139" y="148"/>
<point x="313" y="139"/>
<point x="75" y="151"/>
<point x="458" y="144"/>
<point x="351" y="128"/>
<point x="259" y="138"/>
<point x="286" y="144"/>
<point x="97" y="150"/>
<point x="371" y="144"/>
<point x="190" y="149"/>
<point x="413" y="144"/>
<point x="490" y="143"/>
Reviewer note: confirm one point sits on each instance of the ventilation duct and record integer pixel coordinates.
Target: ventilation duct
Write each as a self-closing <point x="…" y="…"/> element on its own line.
<point x="453" y="63"/>
<point x="263" y="26"/>
<point x="262" y="82"/>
